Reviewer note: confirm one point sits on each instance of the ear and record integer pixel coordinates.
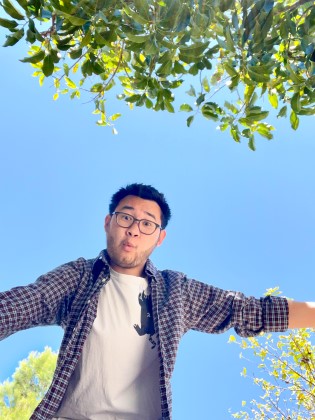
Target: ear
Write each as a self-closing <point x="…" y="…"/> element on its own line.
<point x="161" y="237"/>
<point x="108" y="218"/>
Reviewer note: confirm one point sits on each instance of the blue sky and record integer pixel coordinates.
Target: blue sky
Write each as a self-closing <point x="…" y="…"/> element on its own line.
<point x="242" y="220"/>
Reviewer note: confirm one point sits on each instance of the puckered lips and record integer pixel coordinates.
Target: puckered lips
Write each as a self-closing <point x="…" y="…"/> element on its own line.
<point x="127" y="246"/>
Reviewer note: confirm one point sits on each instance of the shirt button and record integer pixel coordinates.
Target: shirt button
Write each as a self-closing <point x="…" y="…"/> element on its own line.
<point x="103" y="280"/>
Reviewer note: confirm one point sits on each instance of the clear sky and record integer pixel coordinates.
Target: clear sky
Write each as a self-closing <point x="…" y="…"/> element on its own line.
<point x="242" y="220"/>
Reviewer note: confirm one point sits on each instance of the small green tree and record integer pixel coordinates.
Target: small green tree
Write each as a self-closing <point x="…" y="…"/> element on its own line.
<point x="260" y="53"/>
<point x="21" y="395"/>
<point x="285" y="374"/>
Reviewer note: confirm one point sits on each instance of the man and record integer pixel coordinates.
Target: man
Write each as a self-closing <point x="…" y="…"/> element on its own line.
<point x="123" y="319"/>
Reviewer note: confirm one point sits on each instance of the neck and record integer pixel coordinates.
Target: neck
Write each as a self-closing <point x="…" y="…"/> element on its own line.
<point x="132" y="271"/>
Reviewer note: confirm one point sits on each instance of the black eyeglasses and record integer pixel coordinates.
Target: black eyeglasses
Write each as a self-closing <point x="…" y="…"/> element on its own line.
<point x="125" y="220"/>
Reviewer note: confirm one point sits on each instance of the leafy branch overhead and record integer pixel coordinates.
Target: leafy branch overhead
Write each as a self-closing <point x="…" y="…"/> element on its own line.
<point x="259" y="54"/>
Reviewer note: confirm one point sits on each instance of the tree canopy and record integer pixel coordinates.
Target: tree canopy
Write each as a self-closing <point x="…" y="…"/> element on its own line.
<point x="20" y="396"/>
<point x="261" y="52"/>
<point x="284" y="365"/>
<point x="285" y="375"/>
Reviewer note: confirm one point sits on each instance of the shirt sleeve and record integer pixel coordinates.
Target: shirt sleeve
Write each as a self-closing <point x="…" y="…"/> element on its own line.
<point x="45" y="302"/>
<point x="213" y="310"/>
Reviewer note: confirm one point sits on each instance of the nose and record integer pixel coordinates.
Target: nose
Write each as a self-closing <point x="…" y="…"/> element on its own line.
<point x="133" y="230"/>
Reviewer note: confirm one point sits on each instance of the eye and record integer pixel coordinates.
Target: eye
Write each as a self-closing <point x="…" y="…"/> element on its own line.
<point x="147" y="223"/>
<point x="125" y="217"/>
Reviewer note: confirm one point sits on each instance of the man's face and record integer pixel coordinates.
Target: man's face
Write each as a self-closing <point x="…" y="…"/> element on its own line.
<point x="128" y="248"/>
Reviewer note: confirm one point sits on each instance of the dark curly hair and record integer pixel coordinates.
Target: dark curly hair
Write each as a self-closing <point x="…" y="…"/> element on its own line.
<point x="147" y="192"/>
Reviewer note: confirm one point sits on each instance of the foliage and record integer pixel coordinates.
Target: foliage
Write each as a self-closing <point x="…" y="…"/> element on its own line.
<point x="260" y="51"/>
<point x="30" y="381"/>
<point x="286" y="365"/>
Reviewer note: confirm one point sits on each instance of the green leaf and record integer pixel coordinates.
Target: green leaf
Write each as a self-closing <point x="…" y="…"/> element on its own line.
<point x="296" y="103"/>
<point x="225" y="5"/>
<point x="148" y="103"/>
<point x="9" y="24"/>
<point x="138" y="39"/>
<point x="133" y="98"/>
<point x="114" y="117"/>
<point x="66" y="69"/>
<point x="165" y="69"/>
<point x="135" y="16"/>
<point x="248" y="93"/>
<point x="191" y="91"/>
<point x="282" y="112"/>
<point x="64" y="40"/>
<point x="230" y="69"/>
<point x="74" y="20"/>
<point x="142" y="7"/>
<point x="256" y="75"/>
<point x="11" y="10"/>
<point x="86" y="39"/>
<point x="208" y="110"/>
<point x="194" y="69"/>
<point x="185" y="108"/>
<point x="36" y="58"/>
<point x="230" y="42"/>
<point x="199" y="22"/>
<point x="252" y="101"/>
<point x="200" y="99"/>
<point x="30" y="36"/>
<point x="297" y="79"/>
<point x="190" y="120"/>
<point x="87" y="68"/>
<point x="169" y="106"/>
<point x="181" y="18"/>
<point x="273" y="99"/>
<point x="265" y="130"/>
<point x="194" y="50"/>
<point x="294" y="120"/>
<point x="235" y="134"/>
<point x="24" y="4"/>
<point x="307" y="111"/>
<point x="251" y="145"/>
<point x="231" y="107"/>
<point x="217" y="76"/>
<point x="166" y="56"/>
<point x="13" y="39"/>
<point x="70" y="83"/>
<point x="189" y="58"/>
<point x="246" y="133"/>
<point x="75" y="94"/>
<point x="97" y="68"/>
<point x="205" y="84"/>
<point x="98" y="87"/>
<point x="151" y="47"/>
<point x="253" y="116"/>
<point x="48" y="65"/>
<point x="76" y="53"/>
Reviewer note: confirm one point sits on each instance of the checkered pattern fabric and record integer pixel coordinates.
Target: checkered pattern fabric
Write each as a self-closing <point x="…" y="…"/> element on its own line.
<point x="68" y="296"/>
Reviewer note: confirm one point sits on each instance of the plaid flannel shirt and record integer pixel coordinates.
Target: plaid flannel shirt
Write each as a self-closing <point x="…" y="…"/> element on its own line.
<point x="68" y="296"/>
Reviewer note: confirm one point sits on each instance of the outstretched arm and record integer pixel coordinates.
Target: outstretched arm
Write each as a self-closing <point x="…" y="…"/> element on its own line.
<point x="301" y="314"/>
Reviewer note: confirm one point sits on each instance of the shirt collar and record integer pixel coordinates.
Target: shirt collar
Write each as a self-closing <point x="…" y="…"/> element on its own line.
<point x="150" y="270"/>
<point x="103" y="257"/>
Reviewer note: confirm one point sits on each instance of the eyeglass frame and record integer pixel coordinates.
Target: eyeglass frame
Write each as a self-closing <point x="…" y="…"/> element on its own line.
<point x="157" y="226"/>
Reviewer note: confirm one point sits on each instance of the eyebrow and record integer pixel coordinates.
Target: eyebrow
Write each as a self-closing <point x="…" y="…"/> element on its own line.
<point x="132" y="208"/>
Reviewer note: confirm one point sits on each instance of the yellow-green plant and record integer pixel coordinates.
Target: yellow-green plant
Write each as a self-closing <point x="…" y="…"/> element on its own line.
<point x="284" y="370"/>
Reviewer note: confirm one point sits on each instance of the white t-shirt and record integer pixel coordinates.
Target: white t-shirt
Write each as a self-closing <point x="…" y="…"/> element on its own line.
<point x="117" y="376"/>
